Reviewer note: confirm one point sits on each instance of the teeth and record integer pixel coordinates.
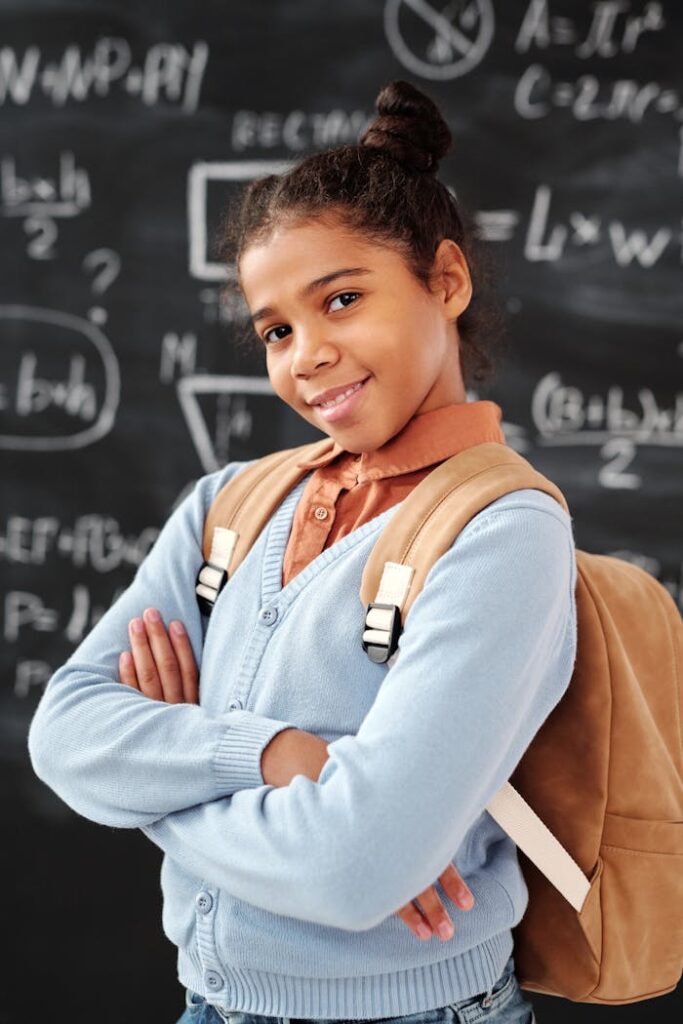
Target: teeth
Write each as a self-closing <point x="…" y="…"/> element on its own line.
<point x="342" y="397"/>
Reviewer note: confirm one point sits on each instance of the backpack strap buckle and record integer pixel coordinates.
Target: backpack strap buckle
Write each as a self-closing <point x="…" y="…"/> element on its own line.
<point x="383" y="615"/>
<point x="380" y="639"/>
<point x="213" y="574"/>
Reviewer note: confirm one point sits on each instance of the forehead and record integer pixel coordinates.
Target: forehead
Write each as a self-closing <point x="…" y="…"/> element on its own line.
<point x="303" y="250"/>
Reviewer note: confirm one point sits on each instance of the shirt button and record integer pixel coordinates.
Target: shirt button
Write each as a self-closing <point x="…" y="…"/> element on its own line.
<point x="268" y="615"/>
<point x="321" y="513"/>
<point x="204" y="902"/>
<point x="235" y="705"/>
<point x="213" y="980"/>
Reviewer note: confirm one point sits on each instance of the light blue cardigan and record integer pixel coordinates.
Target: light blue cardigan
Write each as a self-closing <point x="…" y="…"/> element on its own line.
<point x="282" y="901"/>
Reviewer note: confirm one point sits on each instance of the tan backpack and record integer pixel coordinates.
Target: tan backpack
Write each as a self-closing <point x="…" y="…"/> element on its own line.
<point x="602" y="849"/>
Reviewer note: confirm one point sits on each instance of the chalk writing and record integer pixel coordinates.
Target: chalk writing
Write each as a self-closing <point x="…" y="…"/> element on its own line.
<point x="92" y="541"/>
<point x="168" y="73"/>
<point x="26" y="392"/>
<point x="565" y="415"/>
<point x="547" y="240"/>
<point x="25" y="612"/>
<point x="66" y="194"/>
<point x="235" y="420"/>
<point x="612" y="30"/>
<point x="439" y="42"/>
<point x="200" y="176"/>
<point x="588" y="98"/>
<point x="297" y="130"/>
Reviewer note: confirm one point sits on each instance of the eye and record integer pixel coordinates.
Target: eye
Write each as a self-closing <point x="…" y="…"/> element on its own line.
<point x="281" y="327"/>
<point x="343" y="295"/>
<point x="285" y="327"/>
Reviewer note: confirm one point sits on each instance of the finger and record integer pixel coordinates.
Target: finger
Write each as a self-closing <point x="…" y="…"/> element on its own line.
<point x="164" y="657"/>
<point x="416" y="921"/>
<point x="145" y="668"/>
<point x="185" y="657"/>
<point x="127" y="670"/>
<point x="435" y="912"/>
<point x="455" y="888"/>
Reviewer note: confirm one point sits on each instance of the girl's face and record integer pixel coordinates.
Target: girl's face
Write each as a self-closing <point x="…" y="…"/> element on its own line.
<point x="333" y="308"/>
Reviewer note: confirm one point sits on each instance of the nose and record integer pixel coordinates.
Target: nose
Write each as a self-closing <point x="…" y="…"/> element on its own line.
<point x="311" y="349"/>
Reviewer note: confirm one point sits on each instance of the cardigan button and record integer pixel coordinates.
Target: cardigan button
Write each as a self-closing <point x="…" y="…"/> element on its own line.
<point x="321" y="512"/>
<point x="213" y="980"/>
<point x="204" y="902"/>
<point x="268" y="615"/>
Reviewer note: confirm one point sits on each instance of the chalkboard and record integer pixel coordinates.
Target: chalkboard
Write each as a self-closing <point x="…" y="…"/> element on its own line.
<point x="124" y="130"/>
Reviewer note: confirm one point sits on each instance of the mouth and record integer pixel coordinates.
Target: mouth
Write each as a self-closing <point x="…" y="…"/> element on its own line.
<point x="340" y="410"/>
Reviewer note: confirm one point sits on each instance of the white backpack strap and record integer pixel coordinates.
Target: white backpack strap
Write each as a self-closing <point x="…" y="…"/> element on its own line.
<point x="214" y="573"/>
<point x="383" y="615"/>
<point x="528" y="832"/>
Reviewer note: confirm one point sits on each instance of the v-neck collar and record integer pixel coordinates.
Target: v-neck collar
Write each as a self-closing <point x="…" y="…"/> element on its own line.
<point x="275" y="544"/>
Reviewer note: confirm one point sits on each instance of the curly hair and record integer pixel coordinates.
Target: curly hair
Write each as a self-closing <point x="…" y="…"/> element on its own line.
<point x="386" y="188"/>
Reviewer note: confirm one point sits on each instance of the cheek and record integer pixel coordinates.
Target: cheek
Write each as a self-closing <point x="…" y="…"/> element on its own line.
<point x="277" y="373"/>
<point x="282" y="383"/>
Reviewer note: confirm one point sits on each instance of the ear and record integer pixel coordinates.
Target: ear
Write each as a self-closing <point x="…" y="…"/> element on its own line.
<point x="451" y="275"/>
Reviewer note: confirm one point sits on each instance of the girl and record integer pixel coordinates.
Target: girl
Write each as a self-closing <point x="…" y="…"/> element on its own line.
<point x="304" y="793"/>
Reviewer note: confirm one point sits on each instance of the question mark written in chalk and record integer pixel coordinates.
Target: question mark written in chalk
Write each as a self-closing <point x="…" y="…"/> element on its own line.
<point x="106" y="264"/>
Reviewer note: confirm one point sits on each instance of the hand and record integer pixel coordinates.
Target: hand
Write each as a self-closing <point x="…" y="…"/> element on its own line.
<point x="295" y="752"/>
<point x="160" y="668"/>
<point x="432" y="912"/>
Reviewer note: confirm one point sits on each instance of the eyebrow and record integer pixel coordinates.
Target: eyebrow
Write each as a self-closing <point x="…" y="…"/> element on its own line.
<point x="313" y="286"/>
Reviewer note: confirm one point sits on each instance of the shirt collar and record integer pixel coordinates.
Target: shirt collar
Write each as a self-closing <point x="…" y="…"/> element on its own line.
<point x="427" y="438"/>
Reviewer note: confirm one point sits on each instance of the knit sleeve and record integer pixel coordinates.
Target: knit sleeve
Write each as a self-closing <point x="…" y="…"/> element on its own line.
<point x="115" y="755"/>
<point x="487" y="652"/>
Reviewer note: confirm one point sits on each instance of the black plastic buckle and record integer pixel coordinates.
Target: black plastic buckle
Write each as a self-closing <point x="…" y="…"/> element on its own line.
<point x="206" y="605"/>
<point x="380" y="653"/>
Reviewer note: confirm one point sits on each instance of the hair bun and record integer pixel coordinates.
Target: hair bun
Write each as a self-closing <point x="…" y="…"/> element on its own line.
<point x="409" y="127"/>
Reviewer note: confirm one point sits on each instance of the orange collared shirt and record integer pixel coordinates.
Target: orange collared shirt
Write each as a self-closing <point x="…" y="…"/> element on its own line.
<point x="346" y="490"/>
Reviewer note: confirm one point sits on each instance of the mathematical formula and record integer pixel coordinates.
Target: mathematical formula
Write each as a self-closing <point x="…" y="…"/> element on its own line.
<point x="166" y="73"/>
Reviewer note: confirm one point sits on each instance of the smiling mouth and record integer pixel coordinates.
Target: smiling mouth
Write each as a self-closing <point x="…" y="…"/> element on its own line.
<point x="339" y="410"/>
<point x="329" y="402"/>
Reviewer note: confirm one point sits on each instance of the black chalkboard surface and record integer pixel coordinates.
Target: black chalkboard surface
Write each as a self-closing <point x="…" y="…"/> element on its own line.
<point x="124" y="129"/>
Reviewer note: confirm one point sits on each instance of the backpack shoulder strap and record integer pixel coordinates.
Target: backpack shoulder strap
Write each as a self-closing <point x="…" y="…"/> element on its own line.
<point x="430" y="518"/>
<point x="241" y="509"/>
<point x="421" y="530"/>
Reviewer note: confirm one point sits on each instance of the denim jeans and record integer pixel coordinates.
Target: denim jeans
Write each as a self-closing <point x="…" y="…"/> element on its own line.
<point x="502" y="1004"/>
